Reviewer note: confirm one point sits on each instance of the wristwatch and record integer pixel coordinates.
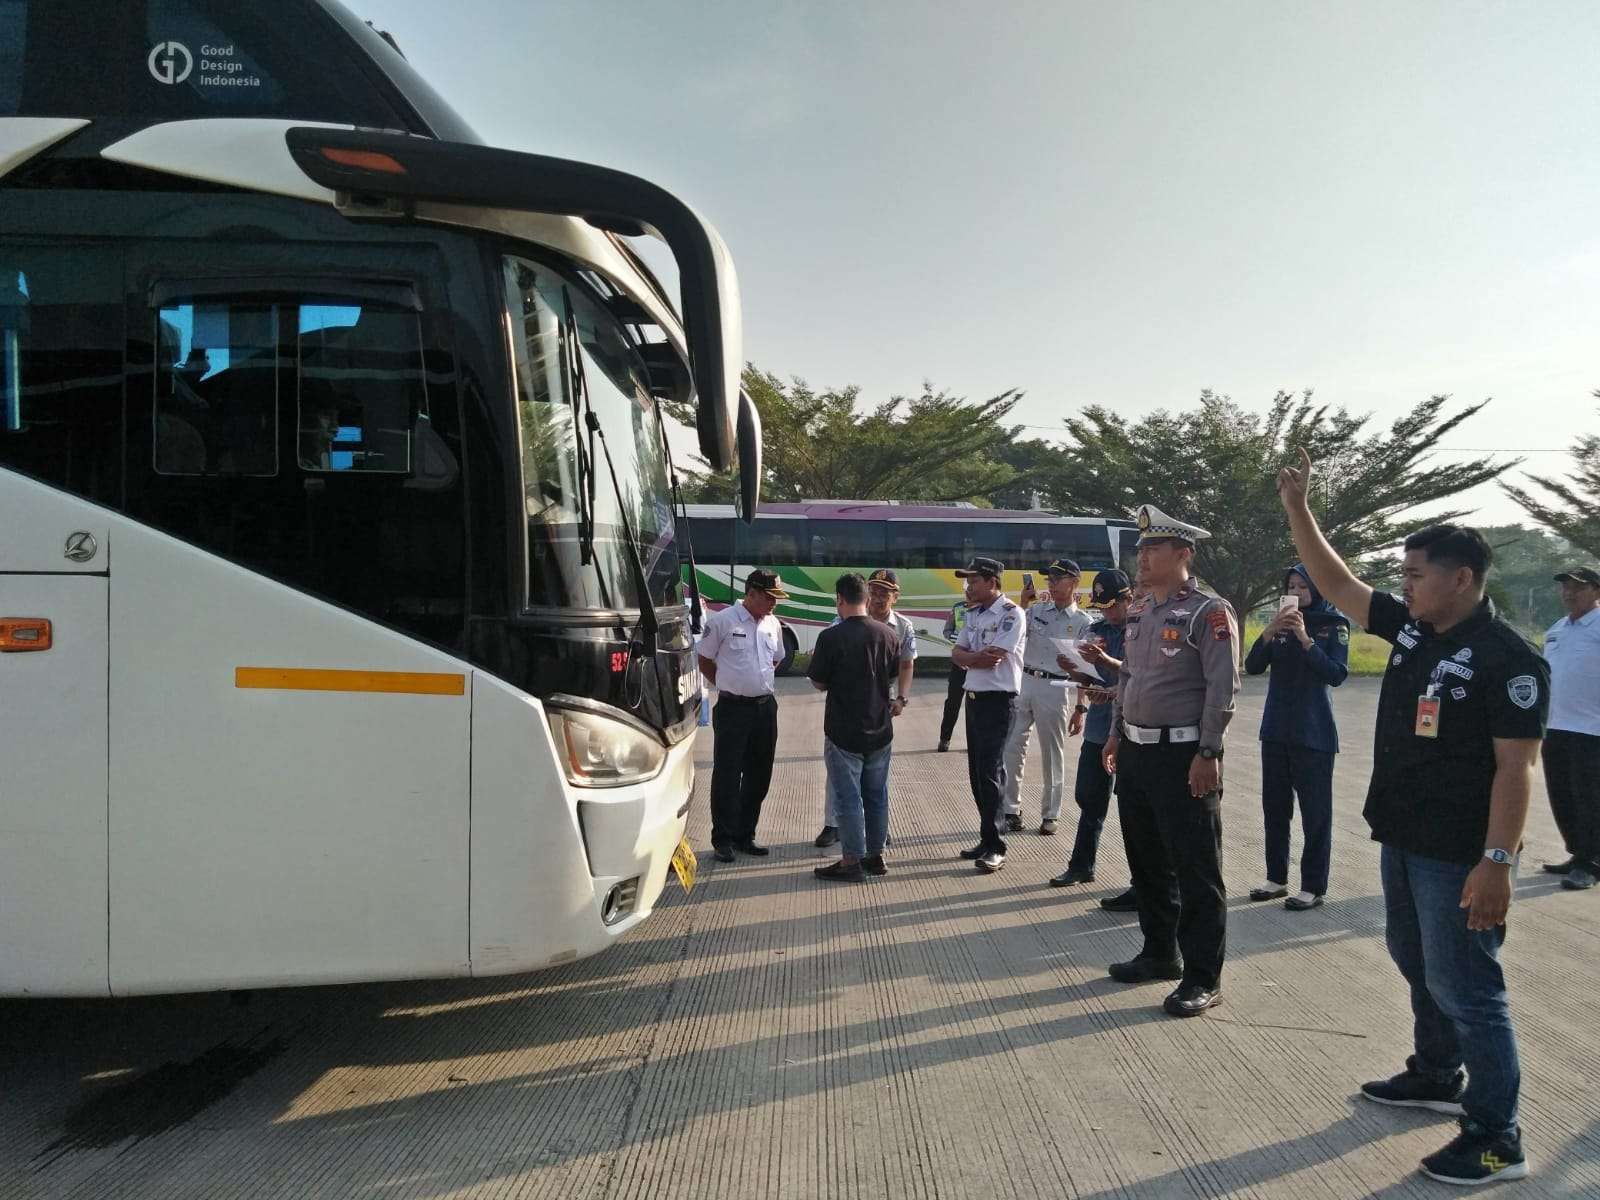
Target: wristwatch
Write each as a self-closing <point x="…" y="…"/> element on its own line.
<point x="1208" y="752"/>
<point x="1503" y="857"/>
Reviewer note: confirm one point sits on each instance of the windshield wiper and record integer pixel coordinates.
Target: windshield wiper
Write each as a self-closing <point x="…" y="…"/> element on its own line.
<point x="696" y="612"/>
<point x="648" y="625"/>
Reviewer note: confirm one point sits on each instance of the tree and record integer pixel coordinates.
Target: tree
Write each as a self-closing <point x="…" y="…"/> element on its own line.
<point x="1522" y="580"/>
<point x="934" y="446"/>
<point x="1216" y="465"/>
<point x="1572" y="508"/>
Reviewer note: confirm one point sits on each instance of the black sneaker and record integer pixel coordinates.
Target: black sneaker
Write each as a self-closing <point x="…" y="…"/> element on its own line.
<point x="1579" y="879"/>
<point x="976" y="852"/>
<point x="1416" y="1089"/>
<point x="1127" y="901"/>
<point x="991" y="862"/>
<point x="944" y="747"/>
<point x="1477" y="1156"/>
<point x="1014" y="822"/>
<point x="872" y="864"/>
<point x="1561" y="868"/>
<point x="828" y="837"/>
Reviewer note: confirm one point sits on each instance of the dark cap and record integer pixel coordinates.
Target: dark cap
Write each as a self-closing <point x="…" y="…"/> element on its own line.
<point x="1580" y="575"/>
<point x="884" y="578"/>
<point x="765" y="581"/>
<point x="1108" y="588"/>
<point x="1063" y="566"/>
<point x="989" y="567"/>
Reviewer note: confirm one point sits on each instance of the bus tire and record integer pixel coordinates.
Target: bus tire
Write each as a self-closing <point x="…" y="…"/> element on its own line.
<point x="791" y="646"/>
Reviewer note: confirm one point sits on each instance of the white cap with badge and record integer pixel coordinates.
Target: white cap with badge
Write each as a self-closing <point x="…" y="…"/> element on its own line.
<point x="1153" y="523"/>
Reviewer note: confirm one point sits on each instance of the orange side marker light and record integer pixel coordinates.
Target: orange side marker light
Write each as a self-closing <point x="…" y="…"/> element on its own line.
<point x="363" y="160"/>
<point x="24" y="633"/>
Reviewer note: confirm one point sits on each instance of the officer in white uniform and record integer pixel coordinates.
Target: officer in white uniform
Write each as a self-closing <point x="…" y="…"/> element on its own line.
<point x="1572" y="742"/>
<point x="990" y="650"/>
<point x="1047" y="698"/>
<point x="739" y="655"/>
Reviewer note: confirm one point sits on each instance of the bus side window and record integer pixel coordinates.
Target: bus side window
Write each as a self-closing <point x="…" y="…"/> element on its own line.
<point x="216" y="405"/>
<point x="361" y="387"/>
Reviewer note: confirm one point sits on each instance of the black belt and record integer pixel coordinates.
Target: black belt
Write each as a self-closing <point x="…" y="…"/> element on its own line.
<point x="735" y="698"/>
<point x="986" y="695"/>
<point x="1041" y="674"/>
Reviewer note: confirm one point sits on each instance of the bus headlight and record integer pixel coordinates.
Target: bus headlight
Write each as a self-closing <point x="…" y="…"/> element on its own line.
<point x="599" y="752"/>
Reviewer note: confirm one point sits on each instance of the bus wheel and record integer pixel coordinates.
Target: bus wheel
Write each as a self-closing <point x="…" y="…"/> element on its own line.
<point x="791" y="646"/>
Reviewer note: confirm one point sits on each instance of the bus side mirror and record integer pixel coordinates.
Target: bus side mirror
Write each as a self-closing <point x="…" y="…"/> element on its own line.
<point x="749" y="458"/>
<point x="397" y="166"/>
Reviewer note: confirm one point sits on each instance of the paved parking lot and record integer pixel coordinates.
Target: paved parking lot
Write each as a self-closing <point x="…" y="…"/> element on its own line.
<point x="934" y="1033"/>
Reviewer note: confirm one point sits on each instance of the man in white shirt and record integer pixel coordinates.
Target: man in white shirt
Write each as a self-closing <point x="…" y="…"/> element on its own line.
<point x="739" y="656"/>
<point x="1572" y="742"/>
<point x="1048" y="700"/>
<point x="990" y="650"/>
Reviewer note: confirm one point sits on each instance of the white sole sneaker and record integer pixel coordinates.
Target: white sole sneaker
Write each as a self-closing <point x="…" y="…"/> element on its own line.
<point x="1511" y="1171"/>
<point x="1451" y="1108"/>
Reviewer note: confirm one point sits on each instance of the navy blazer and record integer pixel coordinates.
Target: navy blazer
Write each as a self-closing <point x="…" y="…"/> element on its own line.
<point x="1299" y="709"/>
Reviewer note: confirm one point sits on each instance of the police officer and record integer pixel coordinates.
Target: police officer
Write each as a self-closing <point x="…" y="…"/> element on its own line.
<point x="1047" y="698"/>
<point x="739" y="656"/>
<point x="1175" y="697"/>
<point x="956" y="684"/>
<point x="990" y="651"/>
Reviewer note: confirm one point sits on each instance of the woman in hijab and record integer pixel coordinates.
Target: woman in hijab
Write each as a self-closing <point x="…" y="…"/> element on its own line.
<point x="1307" y="649"/>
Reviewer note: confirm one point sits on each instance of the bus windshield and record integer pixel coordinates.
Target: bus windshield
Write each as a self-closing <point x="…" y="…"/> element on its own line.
<point x="567" y="352"/>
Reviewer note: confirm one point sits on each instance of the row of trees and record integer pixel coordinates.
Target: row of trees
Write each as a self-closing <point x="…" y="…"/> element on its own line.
<point x="1214" y="464"/>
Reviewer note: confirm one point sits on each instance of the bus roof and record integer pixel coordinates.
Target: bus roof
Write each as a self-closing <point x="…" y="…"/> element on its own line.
<point x="895" y="510"/>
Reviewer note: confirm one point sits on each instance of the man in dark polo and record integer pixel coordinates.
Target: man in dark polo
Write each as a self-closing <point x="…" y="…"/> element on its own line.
<point x="1460" y="718"/>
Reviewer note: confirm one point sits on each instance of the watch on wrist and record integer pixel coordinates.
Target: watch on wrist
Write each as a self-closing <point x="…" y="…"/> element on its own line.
<point x="1503" y="857"/>
<point x="1209" y="752"/>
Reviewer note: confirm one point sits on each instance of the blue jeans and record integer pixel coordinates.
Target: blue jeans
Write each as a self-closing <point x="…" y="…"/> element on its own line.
<point x="858" y="798"/>
<point x="1458" y="992"/>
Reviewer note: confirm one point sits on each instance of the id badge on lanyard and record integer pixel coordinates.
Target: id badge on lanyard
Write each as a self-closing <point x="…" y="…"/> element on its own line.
<point x="1428" y="713"/>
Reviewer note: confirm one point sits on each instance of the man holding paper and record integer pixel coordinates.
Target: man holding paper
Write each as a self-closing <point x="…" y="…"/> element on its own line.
<point x="1048" y="699"/>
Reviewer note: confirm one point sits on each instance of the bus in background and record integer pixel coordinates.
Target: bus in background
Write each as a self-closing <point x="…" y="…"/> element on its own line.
<point x="810" y="544"/>
<point x="343" y="633"/>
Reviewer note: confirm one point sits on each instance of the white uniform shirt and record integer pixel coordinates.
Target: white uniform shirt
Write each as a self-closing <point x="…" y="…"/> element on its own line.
<point x="1572" y="648"/>
<point x="1048" y="625"/>
<point x="1002" y="624"/>
<point x="747" y="652"/>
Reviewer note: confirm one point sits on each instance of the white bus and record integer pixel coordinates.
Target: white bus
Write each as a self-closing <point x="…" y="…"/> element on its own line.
<point x="811" y="543"/>
<point x="342" y="628"/>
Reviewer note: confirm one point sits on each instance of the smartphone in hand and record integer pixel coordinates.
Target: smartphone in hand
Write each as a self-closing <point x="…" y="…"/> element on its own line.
<point x="1027" y="580"/>
<point x="1287" y="602"/>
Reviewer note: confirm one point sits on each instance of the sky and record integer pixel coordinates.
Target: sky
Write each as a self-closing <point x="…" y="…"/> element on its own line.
<point x="1115" y="204"/>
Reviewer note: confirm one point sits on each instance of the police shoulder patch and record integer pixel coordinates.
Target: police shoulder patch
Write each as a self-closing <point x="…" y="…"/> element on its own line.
<point x="1344" y="634"/>
<point x="1523" y="690"/>
<point x="1007" y="625"/>
<point x="1218" y="620"/>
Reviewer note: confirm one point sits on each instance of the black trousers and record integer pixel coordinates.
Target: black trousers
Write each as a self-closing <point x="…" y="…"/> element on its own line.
<point x="744" y="740"/>
<point x="1289" y="773"/>
<point x="1092" y="793"/>
<point x="988" y="722"/>
<point x="1572" y="777"/>
<point x="953" y="692"/>
<point x="1174" y="843"/>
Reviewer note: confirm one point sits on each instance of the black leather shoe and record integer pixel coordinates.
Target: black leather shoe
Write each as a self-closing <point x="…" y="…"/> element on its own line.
<point x="828" y="837"/>
<point x="1143" y="970"/>
<point x="975" y="852"/>
<point x="1561" y="868"/>
<point x="1127" y="901"/>
<point x="944" y="747"/>
<point x="1277" y="891"/>
<point x="841" y="872"/>
<point x="753" y="850"/>
<point x="1071" y="876"/>
<point x="872" y="864"/>
<point x="722" y="852"/>
<point x="1192" y="999"/>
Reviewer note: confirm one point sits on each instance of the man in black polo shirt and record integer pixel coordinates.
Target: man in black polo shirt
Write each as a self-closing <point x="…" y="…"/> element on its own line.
<point x="1460" y="718"/>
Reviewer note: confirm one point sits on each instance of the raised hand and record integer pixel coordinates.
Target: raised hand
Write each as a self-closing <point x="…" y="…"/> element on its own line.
<point x="1294" y="484"/>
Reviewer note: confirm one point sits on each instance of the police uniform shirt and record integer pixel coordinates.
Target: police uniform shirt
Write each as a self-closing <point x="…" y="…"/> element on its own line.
<point x="1002" y="625"/>
<point x="747" y="652"/>
<point x="1179" y="664"/>
<point x="1047" y="625"/>
<point x="1572" y="649"/>
<point x="1430" y="794"/>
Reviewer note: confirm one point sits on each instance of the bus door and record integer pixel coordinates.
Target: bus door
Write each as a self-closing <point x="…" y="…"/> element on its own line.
<point x="54" y="560"/>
